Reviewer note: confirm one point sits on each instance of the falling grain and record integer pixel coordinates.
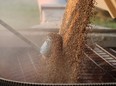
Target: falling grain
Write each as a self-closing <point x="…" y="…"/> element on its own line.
<point x="66" y="60"/>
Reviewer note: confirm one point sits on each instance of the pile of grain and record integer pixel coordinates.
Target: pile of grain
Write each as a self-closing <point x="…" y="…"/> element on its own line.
<point x="65" y="65"/>
<point x="56" y="62"/>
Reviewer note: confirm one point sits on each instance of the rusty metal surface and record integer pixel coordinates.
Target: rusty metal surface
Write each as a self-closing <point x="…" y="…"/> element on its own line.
<point x="103" y="59"/>
<point x="21" y="67"/>
<point x="19" y="64"/>
<point x="22" y="64"/>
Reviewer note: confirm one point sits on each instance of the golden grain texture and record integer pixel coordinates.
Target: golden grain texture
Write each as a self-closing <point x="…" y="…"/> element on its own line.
<point x="74" y="33"/>
<point x="66" y="61"/>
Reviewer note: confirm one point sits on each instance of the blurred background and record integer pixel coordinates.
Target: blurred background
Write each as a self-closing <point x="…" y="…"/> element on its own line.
<point x="22" y="14"/>
<point x="103" y="18"/>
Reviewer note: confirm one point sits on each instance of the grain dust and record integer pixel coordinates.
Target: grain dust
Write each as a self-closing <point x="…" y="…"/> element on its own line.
<point x="65" y="63"/>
